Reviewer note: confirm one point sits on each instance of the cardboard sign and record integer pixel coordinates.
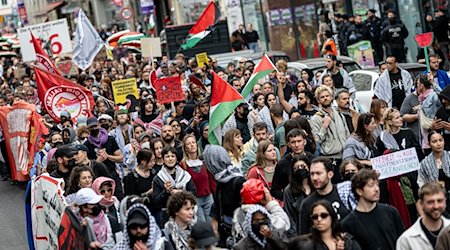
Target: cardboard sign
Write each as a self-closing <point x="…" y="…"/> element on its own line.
<point x="202" y="59"/>
<point x="67" y="68"/>
<point x="54" y="36"/>
<point x="47" y="208"/>
<point x="151" y="47"/>
<point x="362" y="53"/>
<point x="397" y="163"/>
<point x="168" y="90"/>
<point x="125" y="94"/>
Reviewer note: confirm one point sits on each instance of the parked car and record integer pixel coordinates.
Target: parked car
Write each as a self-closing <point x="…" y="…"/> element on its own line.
<point x="295" y="68"/>
<point x="365" y="80"/>
<point x="234" y="57"/>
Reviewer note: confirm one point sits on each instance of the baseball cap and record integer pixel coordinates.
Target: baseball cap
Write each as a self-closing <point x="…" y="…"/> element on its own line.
<point x="144" y="135"/>
<point x="66" y="151"/>
<point x="105" y="117"/>
<point x="203" y="234"/>
<point x="92" y="121"/>
<point x="87" y="196"/>
<point x="81" y="147"/>
<point x="137" y="216"/>
<point x="252" y="191"/>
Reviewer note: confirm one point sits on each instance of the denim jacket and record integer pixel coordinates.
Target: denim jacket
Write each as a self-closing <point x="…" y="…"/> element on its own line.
<point x="431" y="104"/>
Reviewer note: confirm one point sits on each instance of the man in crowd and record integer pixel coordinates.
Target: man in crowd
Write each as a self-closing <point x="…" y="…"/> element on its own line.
<point x="343" y="107"/>
<point x="260" y="133"/>
<point x="168" y="136"/>
<point x="276" y="113"/>
<point x="441" y="122"/>
<point x="373" y="25"/>
<point x="321" y="173"/>
<point x="394" y="81"/>
<point x="329" y="128"/>
<point x="437" y="76"/>
<point x="373" y="225"/>
<point x="240" y="120"/>
<point x="393" y="35"/>
<point x="123" y="133"/>
<point x="423" y="234"/>
<point x="440" y="30"/>
<point x="340" y="76"/>
<point x="81" y="159"/>
<point x="64" y="156"/>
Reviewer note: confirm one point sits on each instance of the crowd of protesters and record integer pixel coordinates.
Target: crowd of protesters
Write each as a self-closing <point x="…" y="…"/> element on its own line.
<point x="294" y="170"/>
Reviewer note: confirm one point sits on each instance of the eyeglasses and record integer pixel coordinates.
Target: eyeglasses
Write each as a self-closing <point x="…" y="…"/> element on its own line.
<point x="321" y="215"/>
<point x="247" y="74"/>
<point x="104" y="191"/>
<point x="176" y="125"/>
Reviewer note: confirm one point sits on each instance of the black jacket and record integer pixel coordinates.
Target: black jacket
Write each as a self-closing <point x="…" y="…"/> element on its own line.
<point x="394" y="35"/>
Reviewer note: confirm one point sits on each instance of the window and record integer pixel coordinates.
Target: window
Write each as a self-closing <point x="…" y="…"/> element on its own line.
<point x="4" y="2"/>
<point x="362" y="82"/>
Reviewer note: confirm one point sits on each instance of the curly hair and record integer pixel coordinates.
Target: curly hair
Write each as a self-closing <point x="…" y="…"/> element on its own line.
<point x="178" y="200"/>
<point x="74" y="179"/>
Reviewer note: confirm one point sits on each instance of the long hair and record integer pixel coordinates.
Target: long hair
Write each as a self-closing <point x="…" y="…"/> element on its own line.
<point x="388" y="116"/>
<point x="185" y="155"/>
<point x="375" y="109"/>
<point x="228" y="143"/>
<point x="296" y="184"/>
<point x="361" y="132"/>
<point x="74" y="179"/>
<point x="335" y="226"/>
<point x="304" y="124"/>
<point x="260" y="157"/>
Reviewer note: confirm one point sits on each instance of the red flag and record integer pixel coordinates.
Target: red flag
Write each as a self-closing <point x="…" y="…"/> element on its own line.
<point x="15" y="121"/>
<point x="196" y="81"/>
<point x="59" y="94"/>
<point x="152" y="78"/>
<point x="168" y="90"/>
<point x="42" y="59"/>
<point x="37" y="130"/>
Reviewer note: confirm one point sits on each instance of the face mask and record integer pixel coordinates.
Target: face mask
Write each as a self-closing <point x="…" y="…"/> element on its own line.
<point x="105" y="126"/>
<point x="66" y="140"/>
<point x="134" y="239"/>
<point x="71" y="163"/>
<point x="96" y="210"/>
<point x="301" y="173"/>
<point x="57" y="144"/>
<point x="348" y="176"/>
<point x="257" y="226"/>
<point x="95" y="132"/>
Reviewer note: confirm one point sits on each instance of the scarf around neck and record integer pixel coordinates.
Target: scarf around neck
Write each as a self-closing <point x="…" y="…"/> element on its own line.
<point x="100" y="140"/>
<point x="424" y="95"/>
<point x="179" y="236"/>
<point x="181" y="177"/>
<point x="100" y="227"/>
<point x="429" y="167"/>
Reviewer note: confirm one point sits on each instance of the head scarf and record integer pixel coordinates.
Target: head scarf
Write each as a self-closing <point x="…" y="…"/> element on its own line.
<point x="218" y="163"/>
<point x="248" y="221"/>
<point x="96" y="187"/>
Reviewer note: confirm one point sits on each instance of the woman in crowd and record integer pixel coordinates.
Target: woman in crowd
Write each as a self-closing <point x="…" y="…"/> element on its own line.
<point x="203" y="180"/>
<point x="394" y="136"/>
<point x="177" y="230"/>
<point x="262" y="107"/>
<point x="377" y="109"/>
<point x="177" y="129"/>
<point x="101" y="106"/>
<point x="361" y="143"/>
<point x="81" y="177"/>
<point x="264" y="167"/>
<point x="267" y="88"/>
<point x="105" y="186"/>
<point x="326" y="231"/>
<point x="171" y="179"/>
<point x="156" y="145"/>
<point x="105" y="88"/>
<point x="308" y="77"/>
<point x="148" y="111"/>
<point x="436" y="166"/>
<point x="139" y="180"/>
<point x="298" y="189"/>
<point x="232" y="142"/>
<point x="203" y="141"/>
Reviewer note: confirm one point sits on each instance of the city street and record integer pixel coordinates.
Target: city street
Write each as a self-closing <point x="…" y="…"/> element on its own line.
<point x="12" y="217"/>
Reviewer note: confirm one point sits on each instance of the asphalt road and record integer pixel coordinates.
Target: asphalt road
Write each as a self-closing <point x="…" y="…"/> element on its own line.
<point x="12" y="217"/>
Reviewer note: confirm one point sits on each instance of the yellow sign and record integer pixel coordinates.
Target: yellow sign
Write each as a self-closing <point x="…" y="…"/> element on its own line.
<point x="2" y="19"/>
<point x="124" y="89"/>
<point x="202" y="59"/>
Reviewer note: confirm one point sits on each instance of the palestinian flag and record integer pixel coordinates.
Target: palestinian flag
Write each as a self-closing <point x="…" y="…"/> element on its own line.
<point x="204" y="25"/>
<point x="262" y="69"/>
<point x="224" y="99"/>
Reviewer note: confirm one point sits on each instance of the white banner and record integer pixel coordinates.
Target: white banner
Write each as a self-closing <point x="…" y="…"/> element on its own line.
<point x="54" y="36"/>
<point x="47" y="208"/>
<point x="397" y="163"/>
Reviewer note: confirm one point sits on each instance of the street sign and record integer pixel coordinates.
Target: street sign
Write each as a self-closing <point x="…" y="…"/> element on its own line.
<point x="54" y="36"/>
<point x="126" y="13"/>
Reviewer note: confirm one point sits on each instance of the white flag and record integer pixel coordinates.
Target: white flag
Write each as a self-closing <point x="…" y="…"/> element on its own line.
<point x="87" y="42"/>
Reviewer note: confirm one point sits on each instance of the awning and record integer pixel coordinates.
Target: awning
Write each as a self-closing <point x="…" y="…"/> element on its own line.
<point x="54" y="5"/>
<point x="70" y="8"/>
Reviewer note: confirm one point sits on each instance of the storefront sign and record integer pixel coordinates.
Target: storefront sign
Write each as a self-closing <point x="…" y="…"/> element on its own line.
<point x="147" y="7"/>
<point x="397" y="163"/>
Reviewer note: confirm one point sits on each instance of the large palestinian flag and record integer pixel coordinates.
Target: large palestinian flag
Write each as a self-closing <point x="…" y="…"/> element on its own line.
<point x="204" y="26"/>
<point x="262" y="69"/>
<point x="224" y="99"/>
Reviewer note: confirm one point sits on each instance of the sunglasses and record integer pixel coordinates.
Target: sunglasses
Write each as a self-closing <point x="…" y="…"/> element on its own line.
<point x="321" y="215"/>
<point x="104" y="191"/>
<point x="246" y="74"/>
<point x="136" y="226"/>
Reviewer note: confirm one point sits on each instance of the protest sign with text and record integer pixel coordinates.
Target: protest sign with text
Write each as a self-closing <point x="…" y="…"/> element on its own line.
<point x="125" y="94"/>
<point x="47" y="208"/>
<point x="397" y="163"/>
<point x="53" y="35"/>
<point x="168" y="90"/>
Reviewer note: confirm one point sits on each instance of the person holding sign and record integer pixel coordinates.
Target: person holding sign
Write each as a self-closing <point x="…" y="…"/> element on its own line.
<point x="436" y="166"/>
<point x="395" y="136"/>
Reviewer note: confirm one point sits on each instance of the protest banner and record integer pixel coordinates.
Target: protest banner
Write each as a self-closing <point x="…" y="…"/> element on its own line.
<point x="168" y="90"/>
<point x="21" y="130"/>
<point x="202" y="59"/>
<point x="151" y="47"/>
<point x="71" y="234"/>
<point x="53" y="35"/>
<point x="59" y="94"/>
<point x="362" y="53"/>
<point x="125" y="94"/>
<point x="47" y="208"/>
<point x="397" y="163"/>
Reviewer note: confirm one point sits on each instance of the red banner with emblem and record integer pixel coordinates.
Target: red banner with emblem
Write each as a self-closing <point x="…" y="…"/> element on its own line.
<point x="59" y="94"/>
<point x="22" y="131"/>
<point x="168" y="89"/>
